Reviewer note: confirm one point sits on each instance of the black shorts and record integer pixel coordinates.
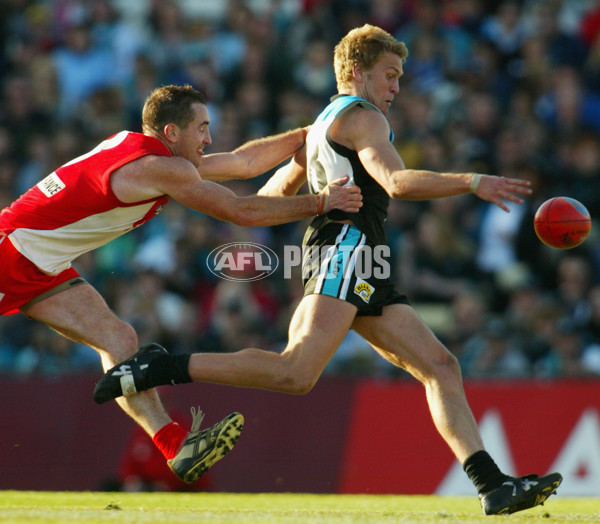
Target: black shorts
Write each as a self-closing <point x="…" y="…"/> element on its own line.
<point x="339" y="261"/>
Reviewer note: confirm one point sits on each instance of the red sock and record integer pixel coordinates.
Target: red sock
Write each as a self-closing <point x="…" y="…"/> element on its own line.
<point x="169" y="439"/>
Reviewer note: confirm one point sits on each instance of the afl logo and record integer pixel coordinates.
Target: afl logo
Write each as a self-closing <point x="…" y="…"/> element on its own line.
<point x="242" y="261"/>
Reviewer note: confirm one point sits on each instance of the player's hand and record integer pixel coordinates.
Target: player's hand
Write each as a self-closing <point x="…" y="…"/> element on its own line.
<point x="339" y="196"/>
<point x="497" y="189"/>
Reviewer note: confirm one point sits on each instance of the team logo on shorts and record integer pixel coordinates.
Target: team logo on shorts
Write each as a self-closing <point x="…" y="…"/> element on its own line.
<point x="363" y="289"/>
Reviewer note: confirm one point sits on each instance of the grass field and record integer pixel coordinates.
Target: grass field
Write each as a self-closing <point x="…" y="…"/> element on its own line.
<point x="224" y="508"/>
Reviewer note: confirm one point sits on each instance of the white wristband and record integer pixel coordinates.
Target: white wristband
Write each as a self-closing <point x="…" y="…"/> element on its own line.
<point x="475" y="182"/>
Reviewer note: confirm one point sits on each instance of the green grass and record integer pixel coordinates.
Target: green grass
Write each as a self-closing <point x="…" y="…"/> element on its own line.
<point x="223" y="508"/>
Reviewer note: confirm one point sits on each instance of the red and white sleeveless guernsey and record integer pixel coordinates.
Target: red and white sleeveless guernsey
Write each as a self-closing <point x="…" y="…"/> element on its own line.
<point x="74" y="210"/>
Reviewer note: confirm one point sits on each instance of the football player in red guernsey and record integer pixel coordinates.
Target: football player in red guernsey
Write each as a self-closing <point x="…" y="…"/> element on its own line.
<point x="122" y="183"/>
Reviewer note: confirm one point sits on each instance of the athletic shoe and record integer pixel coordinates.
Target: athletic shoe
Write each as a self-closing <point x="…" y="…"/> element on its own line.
<point x="519" y="493"/>
<point x="128" y="377"/>
<point x="201" y="449"/>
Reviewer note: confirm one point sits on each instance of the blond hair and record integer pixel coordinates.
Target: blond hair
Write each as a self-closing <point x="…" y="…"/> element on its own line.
<point x="363" y="46"/>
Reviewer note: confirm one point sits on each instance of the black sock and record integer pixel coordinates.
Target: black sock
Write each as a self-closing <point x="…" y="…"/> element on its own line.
<point x="168" y="369"/>
<point x="483" y="471"/>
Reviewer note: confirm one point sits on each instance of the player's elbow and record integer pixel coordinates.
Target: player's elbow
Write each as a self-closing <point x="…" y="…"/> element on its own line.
<point x="397" y="189"/>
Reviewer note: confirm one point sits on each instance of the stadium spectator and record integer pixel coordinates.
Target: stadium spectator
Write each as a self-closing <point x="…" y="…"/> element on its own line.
<point x="569" y="355"/>
<point x="563" y="48"/>
<point x="50" y="354"/>
<point x="506" y="30"/>
<point x="436" y="264"/>
<point x="494" y="353"/>
<point x="573" y="281"/>
<point x="591" y="325"/>
<point x="568" y="106"/>
<point x="451" y="42"/>
<point x="20" y="113"/>
<point x="314" y="74"/>
<point x="82" y="67"/>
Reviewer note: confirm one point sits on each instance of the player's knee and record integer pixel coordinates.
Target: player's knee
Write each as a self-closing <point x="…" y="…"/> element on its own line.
<point x="125" y="342"/>
<point x="130" y="338"/>
<point x="444" y="367"/>
<point x="448" y="368"/>
<point x="294" y="374"/>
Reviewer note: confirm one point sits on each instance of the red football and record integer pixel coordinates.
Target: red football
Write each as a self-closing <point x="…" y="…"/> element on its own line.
<point x="562" y="222"/>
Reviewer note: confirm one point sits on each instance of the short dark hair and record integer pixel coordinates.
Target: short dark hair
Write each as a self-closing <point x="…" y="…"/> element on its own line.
<point x="170" y="104"/>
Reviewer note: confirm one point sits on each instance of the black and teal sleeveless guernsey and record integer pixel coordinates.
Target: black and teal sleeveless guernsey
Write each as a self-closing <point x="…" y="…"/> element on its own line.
<point x="328" y="161"/>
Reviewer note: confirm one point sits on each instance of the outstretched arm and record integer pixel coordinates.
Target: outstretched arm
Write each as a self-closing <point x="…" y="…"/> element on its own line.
<point x="152" y="176"/>
<point x="381" y="160"/>
<point x="253" y="158"/>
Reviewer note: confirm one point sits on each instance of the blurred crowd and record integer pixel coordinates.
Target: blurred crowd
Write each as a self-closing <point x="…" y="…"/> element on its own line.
<point x="510" y="88"/>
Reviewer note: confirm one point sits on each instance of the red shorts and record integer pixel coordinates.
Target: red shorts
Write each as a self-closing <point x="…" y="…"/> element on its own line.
<point x="21" y="280"/>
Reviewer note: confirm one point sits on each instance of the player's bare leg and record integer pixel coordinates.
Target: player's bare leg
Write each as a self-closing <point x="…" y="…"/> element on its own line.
<point x="402" y="338"/>
<point x="81" y="314"/>
<point x="318" y="327"/>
